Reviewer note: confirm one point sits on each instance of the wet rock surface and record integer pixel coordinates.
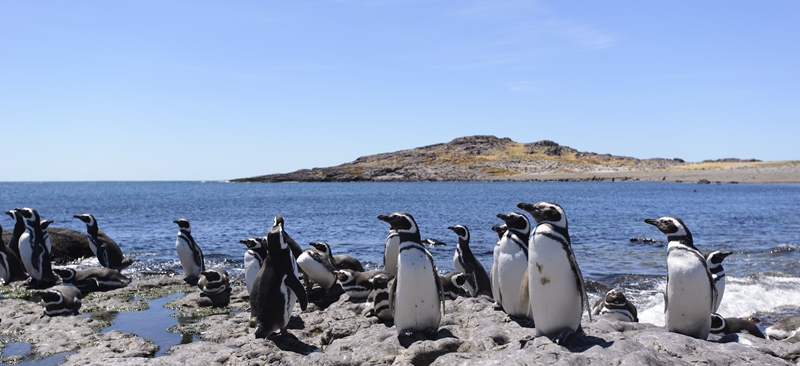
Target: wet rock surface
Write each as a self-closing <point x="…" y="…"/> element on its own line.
<point x="472" y="331"/>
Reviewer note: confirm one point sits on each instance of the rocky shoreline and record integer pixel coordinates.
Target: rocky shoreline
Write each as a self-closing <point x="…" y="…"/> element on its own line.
<point x="489" y="158"/>
<point x="333" y="331"/>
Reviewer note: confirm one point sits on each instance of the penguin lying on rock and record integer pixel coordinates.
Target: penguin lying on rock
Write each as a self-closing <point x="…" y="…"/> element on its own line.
<point x="60" y="300"/>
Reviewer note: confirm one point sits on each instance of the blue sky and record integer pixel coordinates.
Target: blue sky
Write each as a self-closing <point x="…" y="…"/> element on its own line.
<point x="198" y="90"/>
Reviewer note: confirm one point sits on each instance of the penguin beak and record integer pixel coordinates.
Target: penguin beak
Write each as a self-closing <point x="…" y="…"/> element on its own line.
<point x="503" y="217"/>
<point x="725" y="254"/>
<point x="651" y="221"/>
<point x="529" y="207"/>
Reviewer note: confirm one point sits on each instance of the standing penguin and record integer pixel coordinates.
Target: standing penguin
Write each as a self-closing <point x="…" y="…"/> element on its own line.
<point x="555" y="283"/>
<point x="510" y="264"/>
<point x="189" y="253"/>
<point x="416" y="297"/>
<point x="690" y="293"/>
<point x="478" y="282"/>
<point x="35" y="255"/>
<point x="11" y="269"/>
<point x="614" y="305"/>
<point x="19" y="228"/>
<point x="318" y="266"/>
<point x="714" y="263"/>
<point x="104" y="248"/>
<point x="253" y="258"/>
<point x="276" y="288"/>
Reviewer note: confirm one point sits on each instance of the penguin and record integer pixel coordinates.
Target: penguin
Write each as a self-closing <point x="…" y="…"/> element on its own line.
<point x="453" y="285"/>
<point x="344" y="261"/>
<point x="11" y="269"/>
<point x="215" y="285"/>
<point x="500" y="230"/>
<point x="714" y="263"/>
<point x="318" y="266"/>
<point x="614" y="305"/>
<point x="720" y="325"/>
<point x="555" y="282"/>
<point x="787" y="329"/>
<point x="416" y="297"/>
<point x="104" y="248"/>
<point x="357" y="284"/>
<point x="189" y="253"/>
<point x="35" y="255"/>
<point x="378" y="299"/>
<point x="478" y="282"/>
<point x="93" y="279"/>
<point x="510" y="263"/>
<point x="391" y="249"/>
<point x="253" y="258"/>
<point x="276" y="288"/>
<point x="19" y="228"/>
<point x="46" y="235"/>
<point x="60" y="300"/>
<point x="296" y="249"/>
<point x="690" y="293"/>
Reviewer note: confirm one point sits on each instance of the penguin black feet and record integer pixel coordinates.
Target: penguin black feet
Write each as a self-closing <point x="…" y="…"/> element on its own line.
<point x="191" y="280"/>
<point x="569" y="335"/>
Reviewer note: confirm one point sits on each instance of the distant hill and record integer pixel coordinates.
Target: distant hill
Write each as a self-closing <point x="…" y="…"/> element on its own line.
<point x="473" y="158"/>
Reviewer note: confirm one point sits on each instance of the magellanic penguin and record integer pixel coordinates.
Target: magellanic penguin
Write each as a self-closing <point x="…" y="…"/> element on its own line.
<point x="61" y="300"/>
<point x="35" y="255"/>
<point x="714" y="263"/>
<point x="453" y="285"/>
<point x="253" y="258"/>
<point x="344" y="261"/>
<point x="555" y="283"/>
<point x="478" y="282"/>
<point x="510" y="263"/>
<point x="356" y="284"/>
<point x="615" y="306"/>
<point x="45" y="224"/>
<point x="500" y="230"/>
<point x="378" y="299"/>
<point x="391" y="249"/>
<point x="215" y="285"/>
<point x="416" y="298"/>
<point x="19" y="228"/>
<point x="93" y="279"/>
<point x="276" y="288"/>
<point x="690" y="293"/>
<point x="318" y="266"/>
<point x="11" y="269"/>
<point x="104" y="248"/>
<point x="787" y="329"/>
<point x="189" y="253"/>
<point x="720" y="325"/>
<point x="296" y="249"/>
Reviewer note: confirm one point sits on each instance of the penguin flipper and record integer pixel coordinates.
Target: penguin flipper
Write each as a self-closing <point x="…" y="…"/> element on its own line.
<point x="294" y="284"/>
<point x="392" y="289"/>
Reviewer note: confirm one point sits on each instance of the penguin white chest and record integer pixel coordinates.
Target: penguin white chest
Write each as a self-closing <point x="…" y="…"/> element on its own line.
<point x="390" y="252"/>
<point x="417" y="305"/>
<point x="26" y="254"/>
<point x="555" y="294"/>
<point x="186" y="257"/>
<point x="252" y="264"/>
<point x="316" y="270"/>
<point x="688" y="295"/>
<point x="511" y="265"/>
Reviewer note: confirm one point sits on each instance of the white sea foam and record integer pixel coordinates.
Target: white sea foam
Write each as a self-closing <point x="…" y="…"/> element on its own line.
<point x="743" y="297"/>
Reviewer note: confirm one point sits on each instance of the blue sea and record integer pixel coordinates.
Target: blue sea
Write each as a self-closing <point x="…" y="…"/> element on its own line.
<point x="759" y="223"/>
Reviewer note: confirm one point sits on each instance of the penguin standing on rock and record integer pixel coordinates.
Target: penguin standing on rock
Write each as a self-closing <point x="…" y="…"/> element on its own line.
<point x="104" y="248"/>
<point x="253" y="258"/>
<point x="510" y="264"/>
<point x="478" y="282"/>
<point x="555" y="283"/>
<point x="34" y="251"/>
<point x="189" y="253"/>
<point x="416" y="297"/>
<point x="714" y="262"/>
<point x="11" y="269"/>
<point x="690" y="294"/>
<point x="276" y="288"/>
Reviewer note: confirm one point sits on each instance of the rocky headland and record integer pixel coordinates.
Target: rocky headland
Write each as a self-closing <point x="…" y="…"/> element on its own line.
<point x="489" y="158"/>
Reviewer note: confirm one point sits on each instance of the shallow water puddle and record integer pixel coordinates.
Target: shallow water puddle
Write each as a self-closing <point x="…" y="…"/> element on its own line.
<point x="152" y="324"/>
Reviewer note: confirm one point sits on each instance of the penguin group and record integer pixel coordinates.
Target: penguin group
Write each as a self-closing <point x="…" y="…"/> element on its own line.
<point x="28" y="258"/>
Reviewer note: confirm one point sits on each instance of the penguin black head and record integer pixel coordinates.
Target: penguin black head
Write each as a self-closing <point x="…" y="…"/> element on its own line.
<point x="516" y="221"/>
<point x="461" y="231"/>
<point x="321" y="246"/>
<point x="66" y="274"/>
<point x="615" y="297"/>
<point x="87" y="219"/>
<point x="500" y="229"/>
<point x="51" y="297"/>
<point x="459" y="280"/>
<point x="717" y="323"/>
<point x="673" y="227"/>
<point x="344" y="276"/>
<point x="548" y="212"/>
<point x="379" y="281"/>
<point x="183" y="224"/>
<point x="716" y="257"/>
<point x="275" y="241"/>
<point x="12" y="214"/>
<point x="252" y="243"/>
<point x="29" y="214"/>
<point x="401" y="222"/>
<point x="278" y="221"/>
<point x="45" y="224"/>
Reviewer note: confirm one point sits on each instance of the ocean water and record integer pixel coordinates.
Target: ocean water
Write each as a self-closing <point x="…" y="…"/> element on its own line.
<point x="759" y="223"/>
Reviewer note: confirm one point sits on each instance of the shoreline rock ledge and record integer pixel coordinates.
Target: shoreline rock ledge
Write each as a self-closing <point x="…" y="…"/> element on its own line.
<point x="334" y="332"/>
<point x="489" y="158"/>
